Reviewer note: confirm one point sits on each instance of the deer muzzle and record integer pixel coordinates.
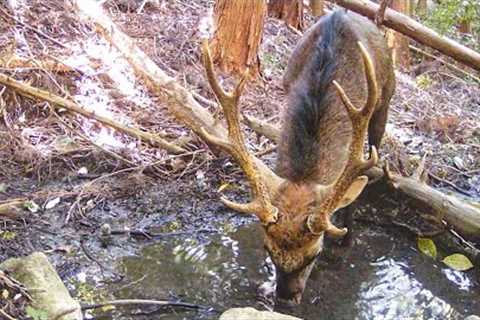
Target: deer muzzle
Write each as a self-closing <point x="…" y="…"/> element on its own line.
<point x="290" y="286"/>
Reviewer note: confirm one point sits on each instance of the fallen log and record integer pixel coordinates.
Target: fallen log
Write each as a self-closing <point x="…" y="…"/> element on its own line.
<point x="180" y="101"/>
<point x="262" y="127"/>
<point x="462" y="216"/>
<point x="415" y="30"/>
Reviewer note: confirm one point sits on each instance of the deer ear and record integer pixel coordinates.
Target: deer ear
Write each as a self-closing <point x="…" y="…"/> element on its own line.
<point x="353" y="191"/>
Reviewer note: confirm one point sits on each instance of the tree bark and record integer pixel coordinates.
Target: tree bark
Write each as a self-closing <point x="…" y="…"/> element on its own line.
<point x="422" y="7"/>
<point x="380" y="15"/>
<point x="397" y="41"/>
<point x="412" y="6"/>
<point x="416" y="31"/>
<point x="317" y="7"/>
<point x="238" y="35"/>
<point x="291" y="11"/>
<point x="465" y="26"/>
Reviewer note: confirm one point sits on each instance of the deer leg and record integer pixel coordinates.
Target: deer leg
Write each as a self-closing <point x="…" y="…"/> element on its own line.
<point x="347" y="241"/>
<point x="376" y="127"/>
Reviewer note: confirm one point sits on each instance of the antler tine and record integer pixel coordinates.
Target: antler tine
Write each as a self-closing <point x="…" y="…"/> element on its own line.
<point x="372" y="87"/>
<point x="356" y="164"/>
<point x="212" y="79"/>
<point x="372" y="96"/>
<point x="220" y="93"/>
<point x="361" y="117"/>
<point x="261" y="206"/>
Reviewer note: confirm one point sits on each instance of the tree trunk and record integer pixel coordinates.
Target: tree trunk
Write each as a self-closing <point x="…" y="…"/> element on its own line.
<point x="291" y="11"/>
<point x="238" y="35"/>
<point x="422" y="7"/>
<point x="397" y="41"/>
<point x="465" y="26"/>
<point x="416" y="31"/>
<point x="317" y="7"/>
<point x="412" y="6"/>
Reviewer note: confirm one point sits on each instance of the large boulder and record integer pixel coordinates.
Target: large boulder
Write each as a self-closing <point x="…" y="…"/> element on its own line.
<point x="44" y="285"/>
<point x="252" y="314"/>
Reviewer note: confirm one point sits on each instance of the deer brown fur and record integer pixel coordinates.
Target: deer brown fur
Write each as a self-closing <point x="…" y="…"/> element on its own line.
<point x="340" y="80"/>
<point x="317" y="131"/>
<point x="332" y="41"/>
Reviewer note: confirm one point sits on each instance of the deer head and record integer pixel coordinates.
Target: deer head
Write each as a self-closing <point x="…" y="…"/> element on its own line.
<point x="296" y="214"/>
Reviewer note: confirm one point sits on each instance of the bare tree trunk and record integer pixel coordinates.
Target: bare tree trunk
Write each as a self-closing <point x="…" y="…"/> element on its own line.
<point x="465" y="26"/>
<point x="397" y="41"/>
<point x="317" y="7"/>
<point x="412" y="6"/>
<point x="422" y="7"/>
<point x="291" y="11"/>
<point x="238" y="35"/>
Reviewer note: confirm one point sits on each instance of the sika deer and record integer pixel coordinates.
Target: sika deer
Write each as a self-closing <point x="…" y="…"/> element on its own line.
<point x="340" y="80"/>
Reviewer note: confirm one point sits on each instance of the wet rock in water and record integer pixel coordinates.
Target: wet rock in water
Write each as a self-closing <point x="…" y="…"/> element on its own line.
<point x="48" y="292"/>
<point x="252" y="314"/>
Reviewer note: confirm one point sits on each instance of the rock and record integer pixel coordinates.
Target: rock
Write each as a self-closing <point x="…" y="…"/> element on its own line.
<point x="472" y="318"/>
<point x="252" y="314"/>
<point x="44" y="285"/>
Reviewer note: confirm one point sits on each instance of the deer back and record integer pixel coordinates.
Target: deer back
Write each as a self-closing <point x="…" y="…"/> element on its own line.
<point x="317" y="132"/>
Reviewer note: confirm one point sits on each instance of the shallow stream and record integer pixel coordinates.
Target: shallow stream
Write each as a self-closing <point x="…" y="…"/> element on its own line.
<point x="381" y="276"/>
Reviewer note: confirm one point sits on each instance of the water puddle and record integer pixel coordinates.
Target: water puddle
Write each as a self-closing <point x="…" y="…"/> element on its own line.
<point x="382" y="276"/>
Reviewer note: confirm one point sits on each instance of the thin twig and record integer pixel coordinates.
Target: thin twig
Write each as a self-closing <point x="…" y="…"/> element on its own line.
<point x="46" y="36"/>
<point x="89" y="256"/>
<point x="463" y="241"/>
<point x="127" y="302"/>
<point x="447" y="64"/>
<point x="6" y="315"/>
<point x="451" y="184"/>
<point x="266" y="151"/>
<point x="81" y="135"/>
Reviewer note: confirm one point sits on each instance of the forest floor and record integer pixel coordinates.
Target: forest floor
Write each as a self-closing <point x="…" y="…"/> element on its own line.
<point x="82" y="175"/>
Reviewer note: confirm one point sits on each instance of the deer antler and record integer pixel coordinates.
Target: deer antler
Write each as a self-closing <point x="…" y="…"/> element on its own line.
<point x="261" y="206"/>
<point x="349" y="181"/>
